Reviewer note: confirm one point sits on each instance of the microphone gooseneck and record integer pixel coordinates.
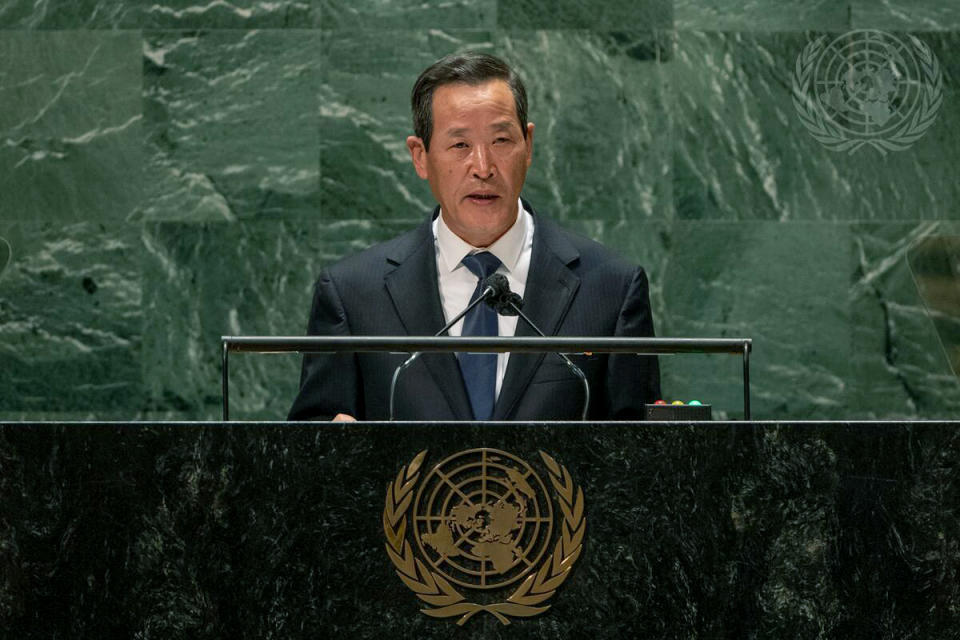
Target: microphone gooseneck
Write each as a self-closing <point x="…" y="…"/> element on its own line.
<point x="491" y="288"/>
<point x="496" y="293"/>
<point x="508" y="303"/>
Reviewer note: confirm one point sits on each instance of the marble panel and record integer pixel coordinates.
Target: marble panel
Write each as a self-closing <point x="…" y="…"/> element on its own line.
<point x="943" y="46"/>
<point x="230" y="121"/>
<point x="584" y="14"/>
<point x="70" y="126"/>
<point x="204" y="281"/>
<point x="162" y="14"/>
<point x="602" y="154"/>
<point x="112" y="414"/>
<point x="70" y="321"/>
<point x="224" y="14"/>
<point x="597" y="155"/>
<point x="935" y="266"/>
<point x="365" y="120"/>
<point x="900" y="359"/>
<point x="742" y="153"/>
<point x="761" y="15"/>
<point x="352" y="15"/>
<point x="819" y="15"/>
<point x="5" y="254"/>
<point x="649" y="245"/>
<point x="905" y="15"/>
<point x="785" y="286"/>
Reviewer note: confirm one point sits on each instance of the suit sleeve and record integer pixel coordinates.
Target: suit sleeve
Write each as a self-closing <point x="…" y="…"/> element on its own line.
<point x="632" y="381"/>
<point x="329" y="382"/>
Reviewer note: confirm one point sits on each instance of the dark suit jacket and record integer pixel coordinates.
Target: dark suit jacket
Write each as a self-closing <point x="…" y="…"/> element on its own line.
<point x="575" y="287"/>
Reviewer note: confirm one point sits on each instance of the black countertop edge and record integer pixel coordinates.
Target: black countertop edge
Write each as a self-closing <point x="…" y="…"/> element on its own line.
<point x="401" y="423"/>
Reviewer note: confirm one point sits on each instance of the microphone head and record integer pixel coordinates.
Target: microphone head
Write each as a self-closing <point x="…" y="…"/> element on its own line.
<point x="513" y="299"/>
<point x="509" y="305"/>
<point x="501" y="298"/>
<point x="497" y="286"/>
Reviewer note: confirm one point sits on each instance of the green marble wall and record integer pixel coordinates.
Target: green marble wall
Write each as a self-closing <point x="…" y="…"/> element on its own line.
<point x="174" y="171"/>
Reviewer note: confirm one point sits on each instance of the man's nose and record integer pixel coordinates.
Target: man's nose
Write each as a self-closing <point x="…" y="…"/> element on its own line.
<point x="483" y="166"/>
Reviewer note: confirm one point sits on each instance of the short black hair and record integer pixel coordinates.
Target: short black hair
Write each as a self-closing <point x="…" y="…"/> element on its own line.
<point x="469" y="67"/>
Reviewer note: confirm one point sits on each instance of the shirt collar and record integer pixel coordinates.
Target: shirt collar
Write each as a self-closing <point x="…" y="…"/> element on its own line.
<point x="452" y="248"/>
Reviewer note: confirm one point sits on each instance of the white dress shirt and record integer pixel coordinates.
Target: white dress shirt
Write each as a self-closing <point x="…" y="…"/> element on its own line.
<point x="457" y="283"/>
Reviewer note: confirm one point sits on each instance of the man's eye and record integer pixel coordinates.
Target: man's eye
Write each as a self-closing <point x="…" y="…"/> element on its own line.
<point x="501" y="140"/>
<point x="459" y="145"/>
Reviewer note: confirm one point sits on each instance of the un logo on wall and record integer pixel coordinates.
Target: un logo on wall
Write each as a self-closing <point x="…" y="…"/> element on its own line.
<point x="483" y="524"/>
<point x="867" y="87"/>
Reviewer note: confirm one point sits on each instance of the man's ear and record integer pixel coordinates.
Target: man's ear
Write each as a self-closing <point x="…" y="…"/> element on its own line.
<point x="529" y="143"/>
<point x="418" y="153"/>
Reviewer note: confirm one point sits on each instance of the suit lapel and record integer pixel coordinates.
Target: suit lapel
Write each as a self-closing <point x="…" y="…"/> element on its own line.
<point x="551" y="287"/>
<point x="413" y="288"/>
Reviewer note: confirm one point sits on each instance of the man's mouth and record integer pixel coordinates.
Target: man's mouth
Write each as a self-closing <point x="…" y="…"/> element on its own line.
<point x="482" y="198"/>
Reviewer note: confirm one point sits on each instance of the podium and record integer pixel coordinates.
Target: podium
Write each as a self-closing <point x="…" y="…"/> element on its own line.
<point x="259" y="530"/>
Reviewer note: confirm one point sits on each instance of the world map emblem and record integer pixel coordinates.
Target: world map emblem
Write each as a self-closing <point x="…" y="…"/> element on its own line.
<point x="867" y="88"/>
<point x="481" y="531"/>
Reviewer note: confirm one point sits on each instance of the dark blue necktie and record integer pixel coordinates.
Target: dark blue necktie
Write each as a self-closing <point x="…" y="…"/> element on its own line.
<point x="480" y="369"/>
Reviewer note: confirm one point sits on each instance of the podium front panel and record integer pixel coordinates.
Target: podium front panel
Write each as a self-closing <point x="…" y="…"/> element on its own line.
<point x="372" y="530"/>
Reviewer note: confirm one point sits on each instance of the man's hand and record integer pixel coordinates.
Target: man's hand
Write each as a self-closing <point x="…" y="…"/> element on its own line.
<point x="342" y="417"/>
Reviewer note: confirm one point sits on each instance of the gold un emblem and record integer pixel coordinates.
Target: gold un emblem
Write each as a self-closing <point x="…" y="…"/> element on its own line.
<point x="482" y="523"/>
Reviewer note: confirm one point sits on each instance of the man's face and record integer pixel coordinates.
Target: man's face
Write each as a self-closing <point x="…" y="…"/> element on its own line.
<point x="478" y="159"/>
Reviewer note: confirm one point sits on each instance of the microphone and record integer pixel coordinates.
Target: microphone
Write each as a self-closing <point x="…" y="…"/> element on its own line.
<point x="503" y="301"/>
<point x="508" y="303"/>
<point x="500" y="290"/>
<point x="492" y="288"/>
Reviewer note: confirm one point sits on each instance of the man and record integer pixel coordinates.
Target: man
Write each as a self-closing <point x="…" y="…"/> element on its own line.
<point x="473" y="144"/>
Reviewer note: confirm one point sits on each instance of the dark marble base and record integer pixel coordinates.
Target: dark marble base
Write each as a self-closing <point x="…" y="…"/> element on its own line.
<point x="256" y="530"/>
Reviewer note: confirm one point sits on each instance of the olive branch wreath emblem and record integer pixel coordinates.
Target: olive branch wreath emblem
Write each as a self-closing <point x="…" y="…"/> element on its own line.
<point x="828" y="133"/>
<point x="442" y="597"/>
